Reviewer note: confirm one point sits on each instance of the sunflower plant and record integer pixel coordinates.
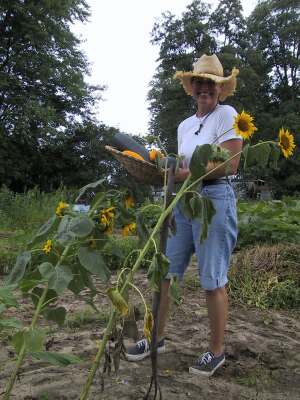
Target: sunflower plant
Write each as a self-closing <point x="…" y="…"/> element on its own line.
<point x="69" y="250"/>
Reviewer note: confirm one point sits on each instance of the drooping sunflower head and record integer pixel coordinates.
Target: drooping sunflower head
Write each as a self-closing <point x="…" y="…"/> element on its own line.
<point x="118" y="301"/>
<point x="286" y="142"/>
<point x="244" y="126"/>
<point x="148" y="324"/>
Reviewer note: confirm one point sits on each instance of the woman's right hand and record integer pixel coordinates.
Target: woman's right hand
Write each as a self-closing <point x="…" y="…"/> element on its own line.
<point x="182" y="172"/>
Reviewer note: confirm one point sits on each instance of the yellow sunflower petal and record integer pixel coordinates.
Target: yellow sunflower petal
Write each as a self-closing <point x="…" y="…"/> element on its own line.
<point x="286" y="142"/>
<point x="243" y="125"/>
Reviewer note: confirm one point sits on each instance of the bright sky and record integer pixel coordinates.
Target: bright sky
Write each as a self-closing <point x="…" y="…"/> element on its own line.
<point x="117" y="44"/>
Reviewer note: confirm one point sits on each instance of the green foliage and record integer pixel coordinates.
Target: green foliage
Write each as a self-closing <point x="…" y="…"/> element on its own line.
<point x="59" y="359"/>
<point x="33" y="339"/>
<point x="269" y="221"/>
<point x="29" y="210"/>
<point x="158" y="270"/>
<point x="18" y="271"/>
<point x="85" y="316"/>
<point x="93" y="262"/>
<point x="43" y="92"/>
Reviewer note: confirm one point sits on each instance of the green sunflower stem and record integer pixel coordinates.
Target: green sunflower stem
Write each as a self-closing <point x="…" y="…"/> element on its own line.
<point x="23" y="350"/>
<point x="36" y="314"/>
<point x="86" y="389"/>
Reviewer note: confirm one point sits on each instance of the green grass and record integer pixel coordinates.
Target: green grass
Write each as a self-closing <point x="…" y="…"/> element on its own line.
<point x="21" y="215"/>
<point x="85" y="316"/>
<point x="266" y="276"/>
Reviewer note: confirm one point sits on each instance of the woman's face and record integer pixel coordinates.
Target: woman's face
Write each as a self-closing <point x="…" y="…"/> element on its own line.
<point x="206" y="93"/>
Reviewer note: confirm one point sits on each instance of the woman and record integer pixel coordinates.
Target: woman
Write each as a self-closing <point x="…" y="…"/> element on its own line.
<point x="207" y="84"/>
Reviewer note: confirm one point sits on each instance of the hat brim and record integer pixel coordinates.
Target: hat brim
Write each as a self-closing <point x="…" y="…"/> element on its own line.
<point x="228" y="82"/>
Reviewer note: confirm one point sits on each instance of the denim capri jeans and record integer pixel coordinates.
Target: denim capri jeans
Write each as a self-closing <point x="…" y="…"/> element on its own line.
<point x="213" y="255"/>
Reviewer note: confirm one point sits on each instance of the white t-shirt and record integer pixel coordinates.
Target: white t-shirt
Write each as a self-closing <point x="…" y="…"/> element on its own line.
<point x="214" y="125"/>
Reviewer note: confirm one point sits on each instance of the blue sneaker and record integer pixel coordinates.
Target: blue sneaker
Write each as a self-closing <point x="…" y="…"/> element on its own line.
<point x="141" y="350"/>
<point x="207" y="364"/>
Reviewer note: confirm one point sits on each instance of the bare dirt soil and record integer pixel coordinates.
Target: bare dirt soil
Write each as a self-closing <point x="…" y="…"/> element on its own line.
<point x="262" y="356"/>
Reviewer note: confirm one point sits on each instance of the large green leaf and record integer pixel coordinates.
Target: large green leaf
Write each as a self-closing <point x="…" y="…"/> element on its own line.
<point x="158" y="270"/>
<point x="64" y="236"/>
<point x="202" y="209"/>
<point x="33" y="339"/>
<point x="46" y="270"/>
<point x="60" y="279"/>
<point x="45" y="230"/>
<point x="18" y="270"/>
<point x="185" y="205"/>
<point x="59" y="359"/>
<point x="6" y="296"/>
<point x="262" y="153"/>
<point x="27" y="284"/>
<point x="64" y="224"/>
<point x="81" y="226"/>
<point x="92" y="185"/>
<point x="142" y="230"/>
<point x="208" y="211"/>
<point x="57" y="315"/>
<point x="199" y="160"/>
<point x="92" y="261"/>
<point x="257" y="155"/>
<point x="36" y="294"/>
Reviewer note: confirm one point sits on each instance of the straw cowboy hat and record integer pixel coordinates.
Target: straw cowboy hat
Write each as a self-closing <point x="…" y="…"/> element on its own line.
<point x="209" y="67"/>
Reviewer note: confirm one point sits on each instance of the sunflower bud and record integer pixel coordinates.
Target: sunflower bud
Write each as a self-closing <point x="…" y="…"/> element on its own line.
<point x="118" y="301"/>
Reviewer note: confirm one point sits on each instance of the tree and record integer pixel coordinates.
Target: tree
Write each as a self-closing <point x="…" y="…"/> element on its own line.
<point x="274" y="29"/>
<point x="180" y="41"/>
<point x="43" y="93"/>
<point x="227" y="23"/>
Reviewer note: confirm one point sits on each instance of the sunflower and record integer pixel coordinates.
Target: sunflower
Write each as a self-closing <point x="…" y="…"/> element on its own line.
<point x="107" y="219"/>
<point x="243" y="125"/>
<point x="129" y="228"/>
<point x="47" y="247"/>
<point x="60" y="209"/>
<point x="286" y="142"/>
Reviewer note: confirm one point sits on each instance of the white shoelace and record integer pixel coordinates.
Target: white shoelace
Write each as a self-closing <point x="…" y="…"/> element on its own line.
<point x="206" y="358"/>
<point x="143" y="343"/>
